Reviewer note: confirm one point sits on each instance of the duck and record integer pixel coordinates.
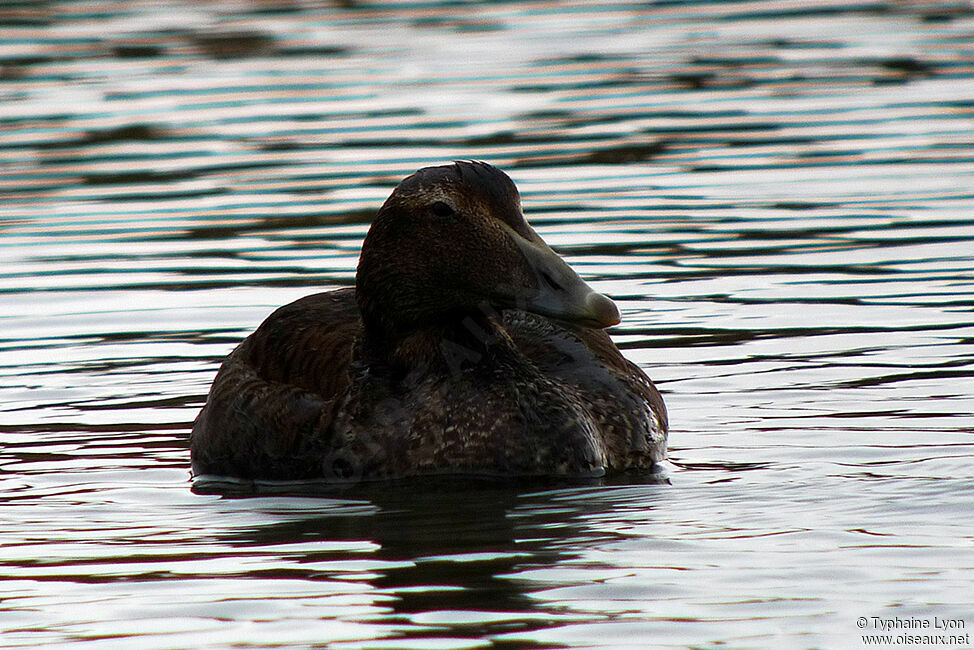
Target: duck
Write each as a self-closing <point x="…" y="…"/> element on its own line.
<point x="467" y="347"/>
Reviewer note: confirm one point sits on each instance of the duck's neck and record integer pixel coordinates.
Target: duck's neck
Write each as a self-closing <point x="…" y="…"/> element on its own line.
<point x="452" y="342"/>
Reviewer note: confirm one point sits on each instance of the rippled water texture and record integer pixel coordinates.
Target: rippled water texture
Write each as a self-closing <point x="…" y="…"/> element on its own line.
<point x="780" y="196"/>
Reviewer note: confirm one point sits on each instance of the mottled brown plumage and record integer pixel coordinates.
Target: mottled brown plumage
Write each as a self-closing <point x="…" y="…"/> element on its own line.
<point x="467" y="347"/>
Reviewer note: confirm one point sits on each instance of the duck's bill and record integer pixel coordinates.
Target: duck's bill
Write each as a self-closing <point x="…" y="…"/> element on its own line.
<point x="558" y="292"/>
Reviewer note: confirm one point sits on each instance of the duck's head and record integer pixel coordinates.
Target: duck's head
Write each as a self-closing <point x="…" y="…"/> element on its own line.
<point x="452" y="240"/>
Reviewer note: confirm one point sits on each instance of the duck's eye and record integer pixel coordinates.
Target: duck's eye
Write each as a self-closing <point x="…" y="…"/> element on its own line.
<point x="442" y="209"/>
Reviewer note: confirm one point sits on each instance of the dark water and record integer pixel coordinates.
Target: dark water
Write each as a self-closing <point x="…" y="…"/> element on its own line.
<point x="780" y="196"/>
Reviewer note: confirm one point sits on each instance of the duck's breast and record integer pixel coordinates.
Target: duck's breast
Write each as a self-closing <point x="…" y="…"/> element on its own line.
<point x="627" y="408"/>
<point x="501" y="419"/>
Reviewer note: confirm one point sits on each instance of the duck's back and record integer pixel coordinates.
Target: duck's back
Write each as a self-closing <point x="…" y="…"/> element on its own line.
<point x="278" y="391"/>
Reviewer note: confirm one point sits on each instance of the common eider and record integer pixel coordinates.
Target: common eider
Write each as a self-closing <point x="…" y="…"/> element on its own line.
<point x="466" y="347"/>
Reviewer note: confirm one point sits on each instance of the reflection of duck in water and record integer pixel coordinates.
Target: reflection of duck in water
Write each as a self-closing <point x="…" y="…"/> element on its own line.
<point x="466" y="347"/>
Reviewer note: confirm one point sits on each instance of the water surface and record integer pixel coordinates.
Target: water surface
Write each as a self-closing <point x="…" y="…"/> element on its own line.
<point x="779" y="195"/>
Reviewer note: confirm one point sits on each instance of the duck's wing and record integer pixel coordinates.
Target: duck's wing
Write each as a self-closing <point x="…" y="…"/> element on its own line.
<point x="623" y="400"/>
<point x="272" y="404"/>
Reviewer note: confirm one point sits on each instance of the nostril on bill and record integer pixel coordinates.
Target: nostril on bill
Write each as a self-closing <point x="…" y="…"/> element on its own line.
<point x="551" y="282"/>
